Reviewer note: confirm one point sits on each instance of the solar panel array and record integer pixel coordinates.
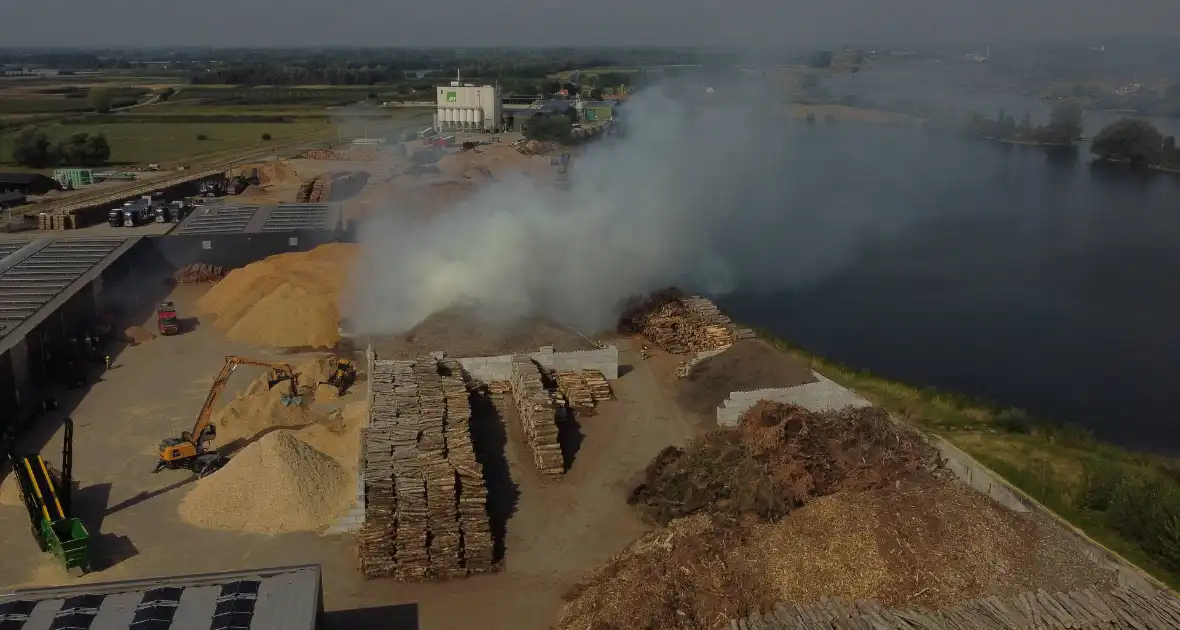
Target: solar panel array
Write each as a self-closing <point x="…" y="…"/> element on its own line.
<point x="296" y="217"/>
<point x="218" y="219"/>
<point x="30" y="284"/>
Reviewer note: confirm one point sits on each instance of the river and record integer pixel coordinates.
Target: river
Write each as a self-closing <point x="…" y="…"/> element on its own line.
<point x="1035" y="281"/>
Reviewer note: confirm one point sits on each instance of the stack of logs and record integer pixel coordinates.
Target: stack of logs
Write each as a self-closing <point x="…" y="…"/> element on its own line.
<point x="425" y="508"/>
<point x="497" y="388"/>
<point x="691" y="324"/>
<point x="313" y="191"/>
<point x="583" y="389"/>
<point x="541" y="410"/>
<point x="348" y="155"/>
<point x="197" y="273"/>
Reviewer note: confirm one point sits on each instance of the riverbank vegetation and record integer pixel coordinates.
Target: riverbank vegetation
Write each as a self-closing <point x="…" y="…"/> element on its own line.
<point x="1138" y="143"/>
<point x="1063" y="129"/>
<point x="1128" y="501"/>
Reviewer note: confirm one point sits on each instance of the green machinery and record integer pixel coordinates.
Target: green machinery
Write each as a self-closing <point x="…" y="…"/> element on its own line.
<point x="46" y="494"/>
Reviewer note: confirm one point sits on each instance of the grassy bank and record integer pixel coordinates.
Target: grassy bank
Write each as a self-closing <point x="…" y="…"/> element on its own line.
<point x="1128" y="501"/>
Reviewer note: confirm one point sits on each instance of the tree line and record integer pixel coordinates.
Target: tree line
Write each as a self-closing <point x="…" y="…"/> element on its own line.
<point x="1137" y="142"/>
<point x="34" y="149"/>
<point x="1064" y="127"/>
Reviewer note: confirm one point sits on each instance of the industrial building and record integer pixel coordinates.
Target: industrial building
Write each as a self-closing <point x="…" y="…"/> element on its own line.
<point x="27" y="183"/>
<point x="231" y="235"/>
<point x="286" y="598"/>
<point x="50" y="293"/>
<point x="468" y="107"/>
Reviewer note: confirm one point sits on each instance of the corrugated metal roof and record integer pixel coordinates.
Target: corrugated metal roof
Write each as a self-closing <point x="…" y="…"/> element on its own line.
<point x="40" y="275"/>
<point x="238" y="219"/>
<point x="286" y="598"/>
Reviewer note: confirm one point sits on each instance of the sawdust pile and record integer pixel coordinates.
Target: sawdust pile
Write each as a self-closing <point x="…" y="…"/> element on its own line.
<point x="10" y="491"/>
<point x="487" y="162"/>
<point x="136" y="335"/>
<point x="258" y="410"/>
<point x="745" y="366"/>
<point x="781" y="457"/>
<point x="278" y="484"/>
<point x="270" y="172"/>
<point x="288" y="301"/>
<point x="926" y="545"/>
<point x="462" y="335"/>
<point x="338" y="436"/>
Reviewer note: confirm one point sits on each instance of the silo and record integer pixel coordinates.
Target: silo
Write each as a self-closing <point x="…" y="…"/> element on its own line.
<point x="477" y="119"/>
<point x="465" y="117"/>
<point x="442" y="118"/>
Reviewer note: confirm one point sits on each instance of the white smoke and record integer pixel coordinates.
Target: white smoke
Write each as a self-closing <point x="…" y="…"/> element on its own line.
<point x="696" y="195"/>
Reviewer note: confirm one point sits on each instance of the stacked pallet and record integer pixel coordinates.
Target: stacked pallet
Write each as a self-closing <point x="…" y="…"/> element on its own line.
<point x="477" y="548"/>
<point x="691" y="324"/>
<point x="573" y="386"/>
<point x="598" y="385"/>
<point x="540" y="412"/>
<point x="425" y="509"/>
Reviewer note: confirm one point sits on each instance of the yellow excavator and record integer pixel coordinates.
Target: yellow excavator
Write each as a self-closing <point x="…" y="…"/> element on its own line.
<point x="343" y="376"/>
<point x="190" y="449"/>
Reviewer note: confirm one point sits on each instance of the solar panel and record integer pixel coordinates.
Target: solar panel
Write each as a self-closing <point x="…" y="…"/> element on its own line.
<point x="77" y="612"/>
<point x="157" y="608"/>
<point x="235" y="605"/>
<point x="13" y="615"/>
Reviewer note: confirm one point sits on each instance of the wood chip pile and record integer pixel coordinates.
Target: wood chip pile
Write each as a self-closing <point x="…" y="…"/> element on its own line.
<point x="425" y="514"/>
<point x="690" y="324"/>
<point x="1079" y="610"/>
<point x="541" y="410"/>
<point x="583" y="389"/>
<point x="196" y="273"/>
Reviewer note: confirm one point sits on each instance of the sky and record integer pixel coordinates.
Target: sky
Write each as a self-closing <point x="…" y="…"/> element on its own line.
<point x="573" y="22"/>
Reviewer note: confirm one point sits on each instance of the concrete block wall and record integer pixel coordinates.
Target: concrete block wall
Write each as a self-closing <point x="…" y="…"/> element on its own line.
<point x="499" y="368"/>
<point x="826" y="395"/>
<point x="820" y="396"/>
<point x="355" y="516"/>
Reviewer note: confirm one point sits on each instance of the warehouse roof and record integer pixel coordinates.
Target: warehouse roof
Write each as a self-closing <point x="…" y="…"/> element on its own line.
<point x="286" y="598"/>
<point x="253" y="219"/>
<point x="38" y="276"/>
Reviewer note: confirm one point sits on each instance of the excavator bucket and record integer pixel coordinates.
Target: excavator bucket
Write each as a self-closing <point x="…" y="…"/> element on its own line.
<point x="289" y="400"/>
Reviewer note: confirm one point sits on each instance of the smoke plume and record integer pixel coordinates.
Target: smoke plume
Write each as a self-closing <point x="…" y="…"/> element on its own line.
<point x="707" y="191"/>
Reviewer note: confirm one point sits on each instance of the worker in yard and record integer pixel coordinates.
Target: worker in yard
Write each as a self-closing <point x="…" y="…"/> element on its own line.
<point x="107" y="361"/>
<point x="643" y="353"/>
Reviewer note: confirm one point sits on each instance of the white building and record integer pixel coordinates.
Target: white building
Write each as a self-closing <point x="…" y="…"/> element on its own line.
<point x="467" y="107"/>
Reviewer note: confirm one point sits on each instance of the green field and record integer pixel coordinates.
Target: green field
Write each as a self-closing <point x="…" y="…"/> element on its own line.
<point x="1061" y="466"/>
<point x="173" y="143"/>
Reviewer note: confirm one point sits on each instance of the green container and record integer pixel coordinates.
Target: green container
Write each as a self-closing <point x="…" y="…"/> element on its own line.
<point x="68" y="539"/>
<point x="591" y="115"/>
<point x="74" y="177"/>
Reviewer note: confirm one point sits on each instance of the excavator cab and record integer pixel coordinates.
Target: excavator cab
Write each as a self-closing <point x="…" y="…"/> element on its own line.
<point x="343" y="377"/>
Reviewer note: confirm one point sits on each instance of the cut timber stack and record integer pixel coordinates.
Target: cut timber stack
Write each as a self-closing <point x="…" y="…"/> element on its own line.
<point x="421" y="495"/>
<point x="497" y="388"/>
<point x="477" y="548"/>
<point x="573" y="387"/>
<point x="196" y="273"/>
<point x="1118" y="609"/>
<point x="598" y="385"/>
<point x="691" y="324"/>
<point x="319" y="190"/>
<point x="304" y="193"/>
<point x="540" y="412"/>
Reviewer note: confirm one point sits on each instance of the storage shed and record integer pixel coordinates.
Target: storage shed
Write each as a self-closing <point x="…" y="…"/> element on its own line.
<point x="27" y="183"/>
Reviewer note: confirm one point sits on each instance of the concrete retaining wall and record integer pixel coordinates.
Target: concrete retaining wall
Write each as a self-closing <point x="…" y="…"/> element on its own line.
<point x="827" y="394"/>
<point x="499" y="368"/>
<point x="820" y="396"/>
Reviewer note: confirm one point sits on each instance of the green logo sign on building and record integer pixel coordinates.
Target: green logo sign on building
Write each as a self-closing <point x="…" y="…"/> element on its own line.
<point x="452" y="97"/>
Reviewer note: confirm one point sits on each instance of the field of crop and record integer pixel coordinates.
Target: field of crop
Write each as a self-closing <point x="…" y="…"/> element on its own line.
<point x="176" y="143"/>
<point x="24" y="98"/>
<point x="228" y="94"/>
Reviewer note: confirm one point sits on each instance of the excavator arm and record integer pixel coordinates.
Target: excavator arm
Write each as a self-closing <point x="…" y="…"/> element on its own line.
<point x="190" y="443"/>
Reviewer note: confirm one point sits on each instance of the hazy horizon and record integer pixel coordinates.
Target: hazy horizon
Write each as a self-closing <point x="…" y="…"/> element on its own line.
<point x="753" y="23"/>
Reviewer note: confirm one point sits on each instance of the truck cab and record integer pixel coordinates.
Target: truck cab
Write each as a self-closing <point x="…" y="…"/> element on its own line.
<point x="166" y="318"/>
<point x="115" y="218"/>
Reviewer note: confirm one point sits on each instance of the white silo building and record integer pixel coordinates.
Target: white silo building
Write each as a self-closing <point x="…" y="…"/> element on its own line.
<point x="468" y="107"/>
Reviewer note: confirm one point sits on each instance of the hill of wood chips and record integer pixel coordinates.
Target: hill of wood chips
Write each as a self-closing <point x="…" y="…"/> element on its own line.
<point x="799" y="507"/>
<point x="288" y="301"/>
<point x="277" y="484"/>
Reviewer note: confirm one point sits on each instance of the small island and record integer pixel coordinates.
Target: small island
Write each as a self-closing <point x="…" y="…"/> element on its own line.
<point x="1063" y="129"/>
<point x="1138" y="143"/>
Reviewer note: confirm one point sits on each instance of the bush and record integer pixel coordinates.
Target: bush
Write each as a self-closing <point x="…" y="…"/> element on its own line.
<point x="201" y="136"/>
<point x="1141" y="506"/>
<point x="266" y="136"/>
<point x="1013" y="420"/>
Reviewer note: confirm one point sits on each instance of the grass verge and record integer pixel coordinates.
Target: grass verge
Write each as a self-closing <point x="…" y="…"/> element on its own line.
<point x="170" y="142"/>
<point x="1128" y="501"/>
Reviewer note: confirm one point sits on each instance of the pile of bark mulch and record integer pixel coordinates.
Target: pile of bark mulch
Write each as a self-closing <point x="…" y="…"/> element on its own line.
<point x="747" y="365"/>
<point x="781" y="456"/>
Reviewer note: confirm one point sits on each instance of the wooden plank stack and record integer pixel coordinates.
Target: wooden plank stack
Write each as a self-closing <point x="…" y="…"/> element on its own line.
<point x="1121" y="608"/>
<point x="477" y="547"/>
<point x="498" y="388"/>
<point x="196" y="273"/>
<point x="416" y="507"/>
<point x="691" y="324"/>
<point x="598" y="385"/>
<point x="573" y="386"/>
<point x="541" y="410"/>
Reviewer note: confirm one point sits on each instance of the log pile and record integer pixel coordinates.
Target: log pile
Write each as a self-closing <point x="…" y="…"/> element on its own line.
<point x="197" y="273"/>
<point x="303" y="195"/>
<point x="499" y="388"/>
<point x="416" y="507"/>
<point x="573" y="386"/>
<point x="541" y="410"/>
<point x="690" y="324"/>
<point x="348" y="155"/>
<point x="598" y="385"/>
<point x="1122" y="608"/>
<point x="477" y="547"/>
